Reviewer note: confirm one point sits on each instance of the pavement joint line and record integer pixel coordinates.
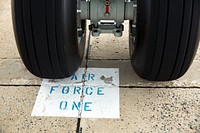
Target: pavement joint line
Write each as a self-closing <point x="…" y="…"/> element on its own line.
<point x="18" y="85"/>
<point x="125" y="87"/>
<point x="79" y="128"/>
<point x="110" y="59"/>
<point x="161" y="87"/>
<point x="10" y="58"/>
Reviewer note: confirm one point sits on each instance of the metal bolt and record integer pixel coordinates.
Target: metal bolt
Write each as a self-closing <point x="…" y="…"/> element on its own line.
<point x="107" y="3"/>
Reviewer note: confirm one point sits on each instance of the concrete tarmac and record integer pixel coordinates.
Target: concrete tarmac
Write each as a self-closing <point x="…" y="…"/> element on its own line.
<point x="156" y="107"/>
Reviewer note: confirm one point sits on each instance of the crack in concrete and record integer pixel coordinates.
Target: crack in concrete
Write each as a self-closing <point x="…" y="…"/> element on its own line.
<point x="79" y="128"/>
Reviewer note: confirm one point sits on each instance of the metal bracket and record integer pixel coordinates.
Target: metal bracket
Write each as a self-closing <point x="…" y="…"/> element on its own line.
<point x="107" y="27"/>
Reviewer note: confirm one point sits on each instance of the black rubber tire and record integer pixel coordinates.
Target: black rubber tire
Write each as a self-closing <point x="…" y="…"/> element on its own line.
<point x="167" y="38"/>
<point x="47" y="38"/>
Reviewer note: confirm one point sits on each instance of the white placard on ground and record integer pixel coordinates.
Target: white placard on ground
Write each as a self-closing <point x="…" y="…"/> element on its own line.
<point x="63" y="97"/>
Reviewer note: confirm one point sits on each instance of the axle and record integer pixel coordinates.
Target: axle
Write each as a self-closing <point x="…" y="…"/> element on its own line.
<point x="107" y="16"/>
